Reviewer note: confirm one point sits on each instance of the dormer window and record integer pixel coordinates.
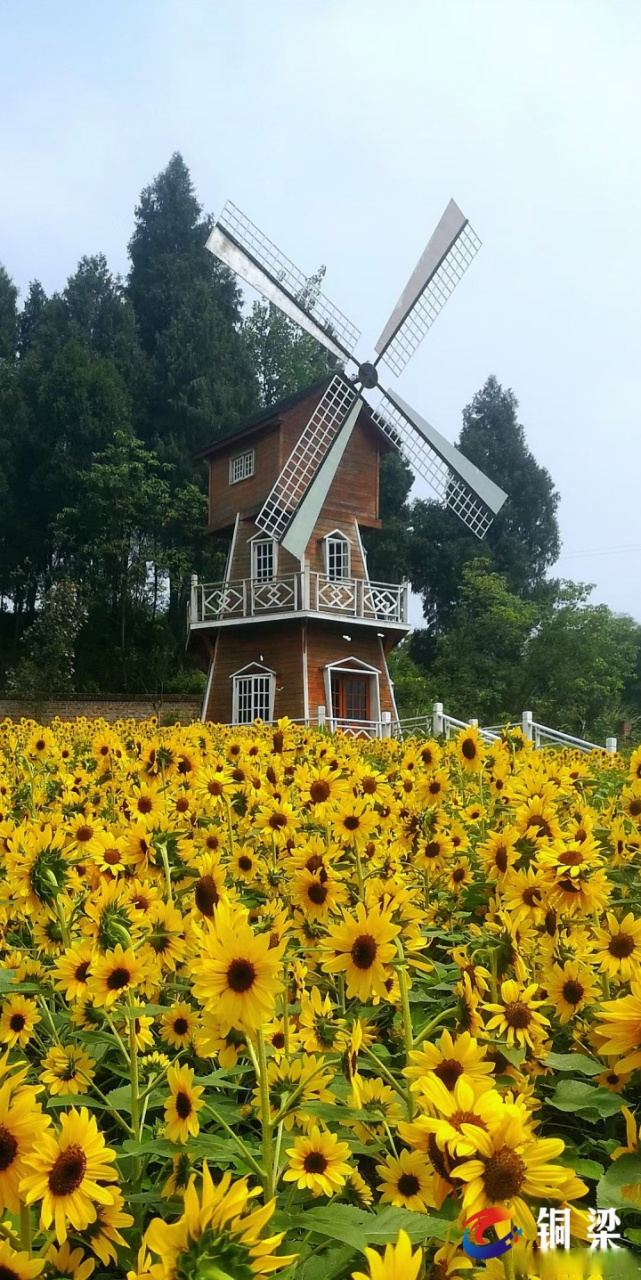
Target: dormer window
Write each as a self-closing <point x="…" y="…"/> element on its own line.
<point x="336" y="556"/>
<point x="241" y="467"/>
<point x="263" y="559"/>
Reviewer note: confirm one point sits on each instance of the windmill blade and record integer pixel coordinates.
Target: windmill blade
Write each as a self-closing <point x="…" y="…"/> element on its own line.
<point x="435" y="276"/>
<point x="309" y="452"/>
<point x="243" y="247"/>
<point x="463" y="487"/>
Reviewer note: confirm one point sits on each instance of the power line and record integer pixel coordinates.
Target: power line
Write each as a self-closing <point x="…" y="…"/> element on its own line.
<point x="600" y="551"/>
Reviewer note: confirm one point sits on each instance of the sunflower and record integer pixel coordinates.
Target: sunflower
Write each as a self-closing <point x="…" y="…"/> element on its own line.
<point x="304" y="1076"/>
<point x="219" y="1230"/>
<point x="631" y="1191"/>
<point x="21" y="1125"/>
<point x="537" y="820"/>
<point x="318" y="1162"/>
<point x="69" y="1170"/>
<point x="524" y="896"/>
<point x="516" y="1017"/>
<point x="82" y="835"/>
<point x="182" y="1105"/>
<point x="277" y="821"/>
<point x="397" y="1263"/>
<point x="237" y="974"/>
<point x="498" y="853"/>
<point x="451" y="1059"/>
<point x="178" y="1180"/>
<point x="216" y="1037"/>
<point x="19" y="1017"/>
<point x="104" y="1234"/>
<point x="619" y="954"/>
<point x="433" y="852"/>
<point x="167" y="937"/>
<point x="459" y="1113"/>
<point x="67" y="1070"/>
<point x="507" y="1169"/>
<point x="16" y="1265"/>
<point x="146" y="802"/>
<point x="317" y="1024"/>
<point x="407" y="1181"/>
<point x="459" y="874"/>
<point x="115" y="974"/>
<point x="470" y="750"/>
<point x="319" y="787"/>
<point x="209" y="889"/>
<point x="620" y="1029"/>
<point x="570" y="987"/>
<point x="113" y="855"/>
<point x="317" y="893"/>
<point x="431" y="789"/>
<point x="363" y="948"/>
<point x="380" y="1099"/>
<point x="68" y="1264"/>
<point x="179" y="1025"/>
<point x="245" y="863"/>
<point x="354" y="822"/>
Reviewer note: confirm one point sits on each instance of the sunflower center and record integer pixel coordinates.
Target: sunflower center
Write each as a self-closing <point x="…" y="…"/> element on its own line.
<point x="319" y="791"/>
<point x="315" y="1162"/>
<point x="278" y="1040"/>
<point x="532" y="896"/>
<point x="144" y="805"/>
<point x="68" y="1171"/>
<point x="83" y="834"/>
<point x="408" y="1184"/>
<point x="206" y="895"/>
<point x="437" y="1158"/>
<point x="241" y="975"/>
<point x="214" y="788"/>
<point x="517" y="1015"/>
<point x="635" y="808"/>
<point x="621" y="946"/>
<point x="111" y="857"/>
<point x="17" y="1022"/>
<point x="571" y="858"/>
<point x="181" y="1026"/>
<point x="468" y="747"/>
<point x="245" y="863"/>
<point x="8" y="1148"/>
<point x="432" y="849"/>
<point x="500" y="859"/>
<point x="277" y="821"/>
<point x="573" y="992"/>
<point x="118" y="979"/>
<point x="364" y="951"/>
<point x="351" y="822"/>
<point x="317" y="893"/>
<point x="504" y="1175"/>
<point x="459" y="1118"/>
<point x="458" y="874"/>
<point x="449" y="1071"/>
<point x="183" y="1106"/>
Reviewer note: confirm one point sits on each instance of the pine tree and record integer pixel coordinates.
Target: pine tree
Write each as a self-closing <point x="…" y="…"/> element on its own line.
<point x="8" y="316"/>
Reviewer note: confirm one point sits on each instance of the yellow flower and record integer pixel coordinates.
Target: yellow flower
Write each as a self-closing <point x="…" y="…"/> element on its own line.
<point x="470" y="749"/>
<point x="237" y="975"/>
<point x="115" y="974"/>
<point x="407" y="1181"/>
<point x="397" y="1263"/>
<point x="182" y="1105"/>
<point x="179" y="1025"/>
<point x="67" y="1070"/>
<point x="619" y="947"/>
<point x="16" y="1265"/>
<point x="69" y="1171"/>
<point x="218" y="1229"/>
<point x="318" y="1163"/>
<point x="72" y="971"/>
<point x="516" y="1017"/>
<point x="68" y="1263"/>
<point x="363" y="948"/>
<point x="353" y="822"/>
<point x="620" y="1029"/>
<point x="22" y="1124"/>
<point x="570" y="987"/>
<point x="19" y="1017"/>
<point x="451" y="1059"/>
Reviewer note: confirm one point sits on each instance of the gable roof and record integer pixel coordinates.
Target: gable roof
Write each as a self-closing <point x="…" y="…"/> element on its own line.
<point x="271" y="414"/>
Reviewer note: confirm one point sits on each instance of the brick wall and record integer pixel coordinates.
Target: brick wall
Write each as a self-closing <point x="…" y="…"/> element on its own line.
<point x="169" y="708"/>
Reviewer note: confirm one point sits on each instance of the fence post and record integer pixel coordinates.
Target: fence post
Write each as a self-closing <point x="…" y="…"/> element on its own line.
<point x="320" y="713"/>
<point x="386" y="725"/>
<point x="193" y="603"/>
<point x="438" y="722"/>
<point x="474" y="723"/>
<point x="611" y="746"/>
<point x="526" y="725"/>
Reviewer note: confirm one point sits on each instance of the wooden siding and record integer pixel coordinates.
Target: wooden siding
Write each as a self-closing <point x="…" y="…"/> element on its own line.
<point x="274" y="645"/>
<point x="326" y="645"/>
<point x="246" y="496"/>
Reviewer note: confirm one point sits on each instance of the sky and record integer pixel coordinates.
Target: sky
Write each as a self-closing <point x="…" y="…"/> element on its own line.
<point x="342" y="128"/>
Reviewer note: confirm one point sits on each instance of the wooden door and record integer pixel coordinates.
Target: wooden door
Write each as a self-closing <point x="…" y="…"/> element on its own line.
<point x="350" y="697"/>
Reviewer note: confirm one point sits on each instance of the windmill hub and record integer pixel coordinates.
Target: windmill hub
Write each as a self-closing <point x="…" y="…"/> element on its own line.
<point x="367" y="375"/>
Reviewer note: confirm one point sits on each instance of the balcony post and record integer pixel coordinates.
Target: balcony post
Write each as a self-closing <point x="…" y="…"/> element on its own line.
<point x="404" y="603"/>
<point x="193" y="600"/>
<point x="438" y="719"/>
<point x="611" y="746"/>
<point x="305" y="585"/>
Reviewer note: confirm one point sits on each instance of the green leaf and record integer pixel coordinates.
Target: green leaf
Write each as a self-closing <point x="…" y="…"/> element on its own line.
<point x="359" y="1228"/>
<point x="575" y="1062"/>
<point x="585" y="1100"/>
<point x="582" y="1167"/>
<point x="76" y="1100"/>
<point x="625" y="1171"/>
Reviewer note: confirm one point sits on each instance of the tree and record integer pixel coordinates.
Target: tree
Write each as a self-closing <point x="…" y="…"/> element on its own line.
<point x="414" y="692"/>
<point x="578" y="663"/>
<point x="387" y="548"/>
<point x="189" y="319"/>
<point x="8" y="316"/>
<point x="523" y="541"/>
<point x="283" y="357"/>
<point x="477" y="667"/>
<point x="47" y="649"/>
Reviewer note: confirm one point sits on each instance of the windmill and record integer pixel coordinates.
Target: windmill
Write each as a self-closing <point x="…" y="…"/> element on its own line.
<point x="296" y="623"/>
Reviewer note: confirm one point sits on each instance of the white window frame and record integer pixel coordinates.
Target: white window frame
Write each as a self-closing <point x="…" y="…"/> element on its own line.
<point x="354" y="667"/>
<point x="336" y="537"/>
<point x="253" y="690"/>
<point x="256" y="543"/>
<point x="241" y="467"/>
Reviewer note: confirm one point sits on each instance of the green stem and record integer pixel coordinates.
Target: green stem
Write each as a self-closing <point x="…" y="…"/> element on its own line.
<point x="135" y="1100"/>
<point x="494" y="983"/>
<point x="63" y="924"/>
<point x="406" y="1014"/>
<point x="165" y="863"/>
<point x="431" y="1026"/>
<point x="265" y="1116"/>
<point x="387" y="1075"/>
<point x="230" y="827"/>
<point x="285" y="1007"/>
<point x="246" y="1154"/>
<point x="359" y="872"/>
<point x="25" y="1227"/>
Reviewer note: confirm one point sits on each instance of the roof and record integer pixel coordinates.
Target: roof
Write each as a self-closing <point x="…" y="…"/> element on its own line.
<point x="264" y="417"/>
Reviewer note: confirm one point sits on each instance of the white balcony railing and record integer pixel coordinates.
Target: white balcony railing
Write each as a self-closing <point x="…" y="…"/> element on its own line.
<point x="384" y="602"/>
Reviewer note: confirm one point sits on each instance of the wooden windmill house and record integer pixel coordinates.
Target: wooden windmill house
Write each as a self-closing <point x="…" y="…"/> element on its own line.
<point x="296" y="628"/>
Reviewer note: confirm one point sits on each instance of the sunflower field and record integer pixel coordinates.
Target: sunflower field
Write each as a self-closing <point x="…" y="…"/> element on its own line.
<point x="276" y="1001"/>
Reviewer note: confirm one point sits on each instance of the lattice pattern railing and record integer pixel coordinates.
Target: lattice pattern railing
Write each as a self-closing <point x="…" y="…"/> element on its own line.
<point x="350" y="597"/>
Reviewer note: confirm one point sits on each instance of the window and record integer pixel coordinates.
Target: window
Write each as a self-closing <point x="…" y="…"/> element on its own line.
<point x="350" y="697"/>
<point x="241" y="467"/>
<point x="252" y="698"/>
<point x="337" y="556"/>
<point x="263" y="560"/>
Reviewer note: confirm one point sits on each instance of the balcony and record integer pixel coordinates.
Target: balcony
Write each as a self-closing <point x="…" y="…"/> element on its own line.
<point x="218" y="603"/>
